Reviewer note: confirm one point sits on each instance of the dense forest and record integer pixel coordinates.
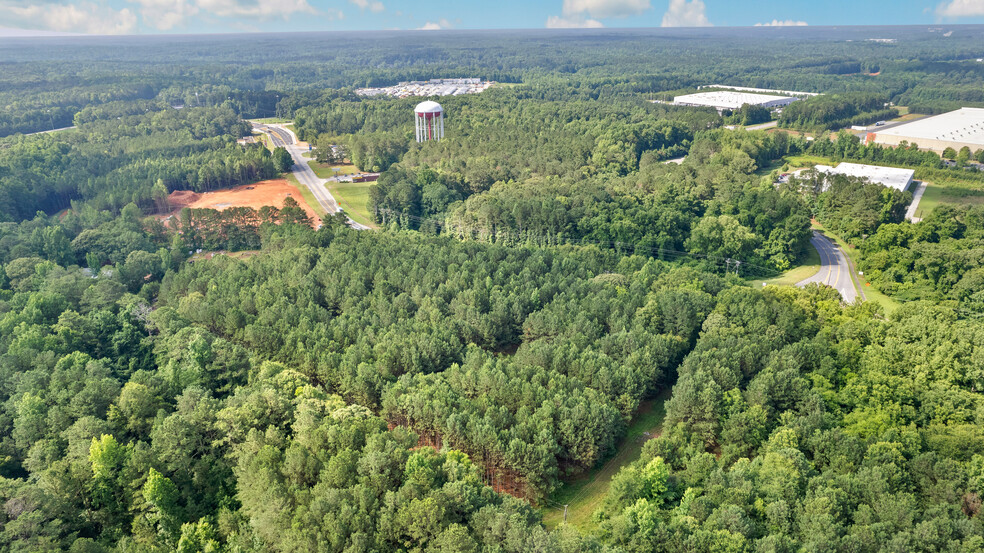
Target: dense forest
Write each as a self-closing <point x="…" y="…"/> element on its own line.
<point x="538" y="281"/>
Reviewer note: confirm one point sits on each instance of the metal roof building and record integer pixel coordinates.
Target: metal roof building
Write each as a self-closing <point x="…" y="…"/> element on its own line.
<point x="724" y="99"/>
<point x="892" y="177"/>
<point x="956" y="129"/>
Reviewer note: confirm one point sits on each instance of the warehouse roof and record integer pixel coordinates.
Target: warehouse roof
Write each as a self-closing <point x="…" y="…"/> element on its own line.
<point x="963" y="125"/>
<point x="891" y="177"/>
<point x="730" y="100"/>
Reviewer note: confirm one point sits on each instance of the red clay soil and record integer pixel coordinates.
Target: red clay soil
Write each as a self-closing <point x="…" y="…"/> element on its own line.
<point x="268" y="192"/>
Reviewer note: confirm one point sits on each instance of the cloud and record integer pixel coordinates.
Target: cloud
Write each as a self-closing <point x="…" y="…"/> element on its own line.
<point x="260" y="9"/>
<point x="167" y="14"/>
<point x="786" y="23"/>
<point x="561" y="22"/>
<point x="605" y="8"/>
<point x="682" y="13"/>
<point x="84" y="17"/>
<point x="431" y="26"/>
<point x="960" y="8"/>
<point x="584" y="14"/>
<point x="372" y="5"/>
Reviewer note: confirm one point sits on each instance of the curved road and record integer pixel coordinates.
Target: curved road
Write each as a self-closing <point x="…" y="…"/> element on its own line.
<point x="835" y="270"/>
<point x="305" y="175"/>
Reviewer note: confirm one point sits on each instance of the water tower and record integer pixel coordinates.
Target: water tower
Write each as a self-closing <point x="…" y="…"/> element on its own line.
<point x="429" y="119"/>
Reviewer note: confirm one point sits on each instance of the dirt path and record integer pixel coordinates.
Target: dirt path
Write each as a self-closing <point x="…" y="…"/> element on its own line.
<point x="584" y="495"/>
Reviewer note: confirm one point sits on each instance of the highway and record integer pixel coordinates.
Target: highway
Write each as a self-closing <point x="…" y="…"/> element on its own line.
<point x="835" y="270"/>
<point x="302" y="171"/>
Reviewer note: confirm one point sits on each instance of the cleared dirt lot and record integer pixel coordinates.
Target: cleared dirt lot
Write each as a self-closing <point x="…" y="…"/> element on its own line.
<point x="268" y="192"/>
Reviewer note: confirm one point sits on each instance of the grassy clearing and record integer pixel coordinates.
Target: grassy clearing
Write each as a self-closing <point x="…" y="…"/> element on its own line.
<point x="353" y="197"/>
<point x="805" y="160"/>
<point x="763" y="171"/>
<point x="265" y="140"/>
<point x="954" y="192"/>
<point x="272" y="120"/>
<point x="585" y="494"/>
<point x="809" y="266"/>
<point x="306" y="194"/>
<point x="325" y="171"/>
<point x="907" y="117"/>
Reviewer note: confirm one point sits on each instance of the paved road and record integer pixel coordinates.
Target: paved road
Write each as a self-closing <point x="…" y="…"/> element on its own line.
<point x="763" y="126"/>
<point x="305" y="175"/>
<point x="910" y="214"/>
<point x="835" y="270"/>
<point x="890" y="125"/>
<point x="50" y="131"/>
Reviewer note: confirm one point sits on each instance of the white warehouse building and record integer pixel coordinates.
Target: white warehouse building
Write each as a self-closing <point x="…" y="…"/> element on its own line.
<point x="956" y="129"/>
<point x="892" y="177"/>
<point x="729" y="100"/>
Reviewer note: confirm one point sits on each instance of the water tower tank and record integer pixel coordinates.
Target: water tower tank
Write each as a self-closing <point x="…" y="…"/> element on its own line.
<point x="429" y="121"/>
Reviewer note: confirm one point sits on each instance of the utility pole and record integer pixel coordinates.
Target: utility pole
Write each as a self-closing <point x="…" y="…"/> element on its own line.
<point x="565" y="514"/>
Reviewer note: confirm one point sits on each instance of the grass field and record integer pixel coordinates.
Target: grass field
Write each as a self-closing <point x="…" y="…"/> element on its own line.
<point x="808" y="267"/>
<point x="953" y="193"/>
<point x="805" y="160"/>
<point x="272" y="120"/>
<point x="353" y="197"/>
<point x="265" y="140"/>
<point x="327" y="171"/>
<point x="584" y="495"/>
<point x="306" y="194"/>
<point x="907" y="117"/>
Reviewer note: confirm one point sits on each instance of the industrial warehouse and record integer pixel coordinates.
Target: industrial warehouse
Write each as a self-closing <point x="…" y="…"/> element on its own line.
<point x="433" y="87"/>
<point x="892" y="177"/>
<point x="956" y="129"/>
<point x="728" y="100"/>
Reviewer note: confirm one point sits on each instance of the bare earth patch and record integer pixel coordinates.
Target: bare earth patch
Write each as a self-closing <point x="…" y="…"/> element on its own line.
<point x="268" y="192"/>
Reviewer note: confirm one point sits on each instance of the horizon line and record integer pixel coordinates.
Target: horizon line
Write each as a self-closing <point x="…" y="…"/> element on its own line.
<point x="47" y="34"/>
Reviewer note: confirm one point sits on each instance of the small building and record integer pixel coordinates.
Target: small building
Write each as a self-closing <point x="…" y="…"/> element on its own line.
<point x="365" y="177"/>
<point x="730" y="100"/>
<point x="955" y="129"/>
<point x="892" y="177"/>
